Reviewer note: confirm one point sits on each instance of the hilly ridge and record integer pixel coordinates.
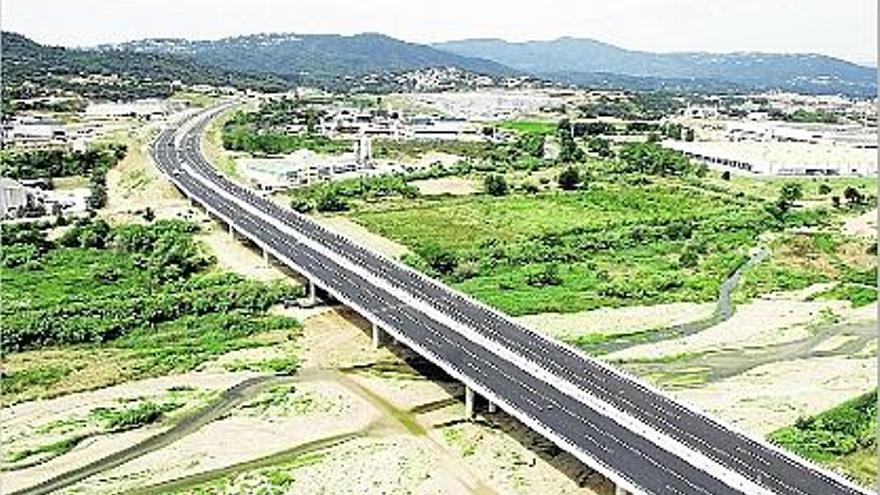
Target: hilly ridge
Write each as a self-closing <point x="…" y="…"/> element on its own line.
<point x="26" y="60"/>
<point x="279" y="61"/>
<point x="314" y="54"/>
<point x="577" y="60"/>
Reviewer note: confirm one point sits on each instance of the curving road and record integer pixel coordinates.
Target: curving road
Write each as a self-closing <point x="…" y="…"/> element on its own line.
<point x="641" y="439"/>
<point x="227" y="401"/>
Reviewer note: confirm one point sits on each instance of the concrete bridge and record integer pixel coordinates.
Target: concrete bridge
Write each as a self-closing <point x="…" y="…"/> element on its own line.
<point x="642" y="440"/>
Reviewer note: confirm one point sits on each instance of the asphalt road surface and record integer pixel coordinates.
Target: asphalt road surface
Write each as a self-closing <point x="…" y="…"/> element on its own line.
<point x="753" y="460"/>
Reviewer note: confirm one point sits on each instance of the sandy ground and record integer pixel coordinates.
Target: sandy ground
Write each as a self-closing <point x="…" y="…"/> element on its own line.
<point x="434" y="158"/>
<point x="135" y="183"/>
<point x="235" y="257"/>
<point x="392" y="465"/>
<point x="456" y="186"/>
<point x="399" y="418"/>
<point x="27" y="419"/>
<point x="608" y="321"/>
<point x="864" y="225"/>
<point x="360" y="234"/>
<point x="772" y="396"/>
<point x="513" y="459"/>
<point x="244" y="434"/>
<point x="754" y="324"/>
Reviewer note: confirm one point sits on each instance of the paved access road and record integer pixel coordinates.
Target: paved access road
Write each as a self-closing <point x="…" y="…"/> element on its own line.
<point x="752" y="460"/>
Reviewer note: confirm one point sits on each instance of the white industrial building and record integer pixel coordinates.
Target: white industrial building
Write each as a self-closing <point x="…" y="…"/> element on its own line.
<point x="146" y="109"/>
<point x="829" y="134"/>
<point x="13" y="198"/>
<point x="304" y="167"/>
<point x="441" y="128"/>
<point x="34" y="132"/>
<point x="781" y="158"/>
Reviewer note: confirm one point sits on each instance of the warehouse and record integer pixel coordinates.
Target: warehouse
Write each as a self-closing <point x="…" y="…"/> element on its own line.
<point x="781" y="158"/>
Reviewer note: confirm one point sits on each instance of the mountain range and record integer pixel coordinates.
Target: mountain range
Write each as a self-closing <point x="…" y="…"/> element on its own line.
<point x="282" y="60"/>
<point x="314" y="54"/>
<point x="26" y="60"/>
<point x="579" y="61"/>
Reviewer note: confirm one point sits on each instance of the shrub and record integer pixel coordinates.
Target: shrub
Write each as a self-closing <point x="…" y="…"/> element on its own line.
<point x="301" y="204"/>
<point x="87" y="233"/>
<point x="600" y="146"/>
<point x="329" y="199"/>
<point x="530" y="188"/>
<point x="442" y="260"/>
<point x="652" y="159"/>
<point x="547" y="275"/>
<point x="495" y="185"/>
<point x="569" y="179"/>
<point x="853" y="196"/>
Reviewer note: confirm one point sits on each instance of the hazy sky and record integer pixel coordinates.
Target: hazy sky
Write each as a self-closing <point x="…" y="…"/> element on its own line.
<point x="843" y="28"/>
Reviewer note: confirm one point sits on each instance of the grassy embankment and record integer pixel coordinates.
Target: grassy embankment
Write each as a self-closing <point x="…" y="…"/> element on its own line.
<point x="104" y="305"/>
<point x="769" y="187"/>
<point x="212" y="144"/>
<point x="798" y="260"/>
<point x="619" y="242"/>
<point x="844" y="438"/>
<point x="609" y="245"/>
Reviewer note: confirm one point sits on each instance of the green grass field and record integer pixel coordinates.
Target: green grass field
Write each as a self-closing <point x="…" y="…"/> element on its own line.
<point x="769" y="187"/>
<point x="844" y="437"/>
<point x="609" y="245"/>
<point x="529" y="126"/>
<point x="71" y="313"/>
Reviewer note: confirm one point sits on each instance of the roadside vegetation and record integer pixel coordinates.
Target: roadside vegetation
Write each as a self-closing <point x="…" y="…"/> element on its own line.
<point x="339" y="196"/>
<point x="48" y="164"/>
<point x="607" y="245"/>
<point x="638" y="228"/>
<point x="241" y="133"/>
<point x="844" y="438"/>
<point x="142" y="296"/>
<point x="801" y="259"/>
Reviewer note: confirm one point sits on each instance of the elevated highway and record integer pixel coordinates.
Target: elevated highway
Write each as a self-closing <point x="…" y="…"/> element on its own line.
<point x="638" y="437"/>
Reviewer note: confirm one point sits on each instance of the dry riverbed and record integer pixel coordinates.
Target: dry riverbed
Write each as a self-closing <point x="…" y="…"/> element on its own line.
<point x="388" y="420"/>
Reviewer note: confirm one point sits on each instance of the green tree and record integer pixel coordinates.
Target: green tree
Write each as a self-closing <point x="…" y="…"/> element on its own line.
<point x="569" y="179"/>
<point x="853" y="196"/>
<point x="790" y="192"/>
<point x="442" y="260"/>
<point x="495" y="185"/>
<point x="330" y="199"/>
<point x="600" y="146"/>
<point x="569" y="151"/>
<point x="654" y="159"/>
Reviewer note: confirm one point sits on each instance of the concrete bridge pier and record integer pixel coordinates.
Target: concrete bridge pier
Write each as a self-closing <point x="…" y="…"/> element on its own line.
<point x="469" y="397"/>
<point x="311" y="295"/>
<point x="619" y="490"/>
<point x="265" y="258"/>
<point x="377" y="336"/>
<point x="231" y="232"/>
<point x="493" y="408"/>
